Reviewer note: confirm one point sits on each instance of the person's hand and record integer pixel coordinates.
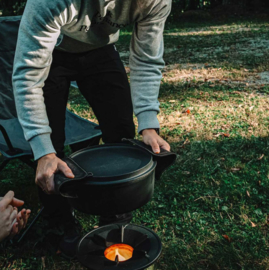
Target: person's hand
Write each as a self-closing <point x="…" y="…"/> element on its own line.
<point x="22" y="219"/>
<point x="8" y="215"/>
<point x="47" y="166"/>
<point x="150" y="137"/>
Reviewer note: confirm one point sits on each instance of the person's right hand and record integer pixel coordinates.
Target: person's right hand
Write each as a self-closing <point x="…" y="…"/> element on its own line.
<point x="47" y="166"/>
<point x="8" y="215"/>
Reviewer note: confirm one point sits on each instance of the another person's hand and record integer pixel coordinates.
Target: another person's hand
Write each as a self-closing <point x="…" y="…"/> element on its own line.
<point x="21" y="218"/>
<point x="8" y="215"/>
<point x="150" y="137"/>
<point x="47" y="166"/>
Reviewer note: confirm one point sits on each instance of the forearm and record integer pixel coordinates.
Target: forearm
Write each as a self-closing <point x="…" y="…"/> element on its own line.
<point x="38" y="33"/>
<point x="145" y="84"/>
<point x="28" y="80"/>
<point x="146" y="62"/>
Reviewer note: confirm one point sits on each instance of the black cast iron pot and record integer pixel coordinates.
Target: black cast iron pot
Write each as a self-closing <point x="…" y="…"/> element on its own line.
<point x="112" y="178"/>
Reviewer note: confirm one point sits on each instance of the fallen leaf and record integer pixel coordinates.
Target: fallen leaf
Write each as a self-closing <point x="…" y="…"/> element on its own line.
<point x="226" y="134"/>
<point x="96" y="226"/>
<point x="199" y="159"/>
<point x="252" y="224"/>
<point x="171" y="119"/>
<point x="248" y="193"/>
<point x="261" y="157"/>
<point x="235" y="169"/>
<point x="172" y="101"/>
<point x="227" y="238"/>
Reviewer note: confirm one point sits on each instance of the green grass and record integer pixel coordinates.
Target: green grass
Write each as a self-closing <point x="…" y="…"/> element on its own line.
<point x="211" y="209"/>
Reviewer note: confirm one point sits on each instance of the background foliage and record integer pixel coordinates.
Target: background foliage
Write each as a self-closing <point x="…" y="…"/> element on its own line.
<point x="16" y="7"/>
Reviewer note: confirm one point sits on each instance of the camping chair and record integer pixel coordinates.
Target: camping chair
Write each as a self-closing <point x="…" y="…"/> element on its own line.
<point x="79" y="132"/>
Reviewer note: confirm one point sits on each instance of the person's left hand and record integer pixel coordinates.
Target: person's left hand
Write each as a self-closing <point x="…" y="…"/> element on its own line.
<point x="21" y="218"/>
<point x="150" y="137"/>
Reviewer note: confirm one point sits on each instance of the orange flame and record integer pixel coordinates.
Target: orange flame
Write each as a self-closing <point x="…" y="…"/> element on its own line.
<point x="123" y="251"/>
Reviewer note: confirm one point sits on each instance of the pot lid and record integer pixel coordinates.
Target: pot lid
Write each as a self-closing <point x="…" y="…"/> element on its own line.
<point x="113" y="161"/>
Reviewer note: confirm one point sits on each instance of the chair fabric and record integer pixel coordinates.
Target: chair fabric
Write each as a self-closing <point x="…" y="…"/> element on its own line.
<point x="77" y="129"/>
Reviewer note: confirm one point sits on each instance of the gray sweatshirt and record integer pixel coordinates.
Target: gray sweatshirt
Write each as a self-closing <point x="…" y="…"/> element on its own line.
<point x="79" y="26"/>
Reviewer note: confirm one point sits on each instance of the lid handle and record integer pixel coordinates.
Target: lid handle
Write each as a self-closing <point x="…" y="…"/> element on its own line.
<point x="164" y="159"/>
<point x="64" y="185"/>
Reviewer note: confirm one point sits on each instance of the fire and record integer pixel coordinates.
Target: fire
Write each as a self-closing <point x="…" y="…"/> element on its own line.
<point x="123" y="251"/>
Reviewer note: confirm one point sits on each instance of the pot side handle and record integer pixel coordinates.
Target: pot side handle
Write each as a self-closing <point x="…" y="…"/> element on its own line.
<point x="164" y="159"/>
<point x="63" y="185"/>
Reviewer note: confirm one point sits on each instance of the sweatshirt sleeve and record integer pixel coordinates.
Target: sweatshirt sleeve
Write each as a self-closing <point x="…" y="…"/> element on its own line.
<point x="38" y="33"/>
<point x="146" y="62"/>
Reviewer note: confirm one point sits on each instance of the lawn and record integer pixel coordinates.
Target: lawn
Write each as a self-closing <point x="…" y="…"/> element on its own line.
<point x="211" y="208"/>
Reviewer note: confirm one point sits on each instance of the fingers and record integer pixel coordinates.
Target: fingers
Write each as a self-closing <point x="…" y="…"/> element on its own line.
<point x="13" y="215"/>
<point x="25" y="215"/>
<point x="62" y="166"/>
<point x="7" y="199"/>
<point x="163" y="144"/>
<point x="150" y="137"/>
<point x="46" y="168"/>
<point x="20" y="222"/>
<point x="17" y="203"/>
<point x="14" y="230"/>
<point x="155" y="146"/>
<point x="10" y="209"/>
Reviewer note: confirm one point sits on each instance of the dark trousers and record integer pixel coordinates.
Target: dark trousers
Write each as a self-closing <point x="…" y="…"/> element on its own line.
<point x="102" y="80"/>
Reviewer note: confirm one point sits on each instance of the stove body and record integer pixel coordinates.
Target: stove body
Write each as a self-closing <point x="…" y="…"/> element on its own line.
<point x="145" y="243"/>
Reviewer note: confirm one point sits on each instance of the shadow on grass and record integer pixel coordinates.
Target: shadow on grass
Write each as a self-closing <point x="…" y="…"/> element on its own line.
<point x="211" y="208"/>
